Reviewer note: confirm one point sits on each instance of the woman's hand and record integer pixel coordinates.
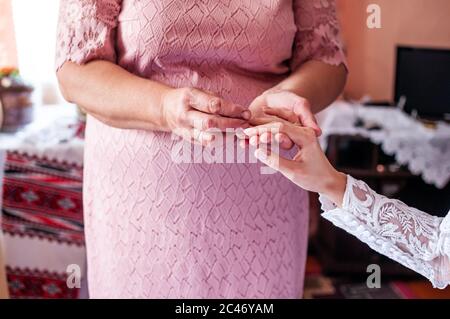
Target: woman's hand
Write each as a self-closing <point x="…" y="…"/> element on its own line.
<point x="190" y="113"/>
<point x="309" y="169"/>
<point x="295" y="109"/>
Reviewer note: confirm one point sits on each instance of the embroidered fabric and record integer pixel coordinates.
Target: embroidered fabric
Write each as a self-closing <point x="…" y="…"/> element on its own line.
<point x="407" y="235"/>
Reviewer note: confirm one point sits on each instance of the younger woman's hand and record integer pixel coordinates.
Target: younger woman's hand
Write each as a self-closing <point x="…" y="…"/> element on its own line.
<point x="309" y="169"/>
<point x="190" y="113"/>
<point x="287" y="106"/>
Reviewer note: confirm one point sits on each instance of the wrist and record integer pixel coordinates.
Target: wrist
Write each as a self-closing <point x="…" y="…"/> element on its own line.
<point x="163" y="110"/>
<point x="335" y="188"/>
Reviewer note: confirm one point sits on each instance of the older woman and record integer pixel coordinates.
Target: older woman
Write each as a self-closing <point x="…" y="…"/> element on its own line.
<point x="143" y="69"/>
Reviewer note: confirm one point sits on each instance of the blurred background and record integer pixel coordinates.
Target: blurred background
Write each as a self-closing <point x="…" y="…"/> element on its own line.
<point x="390" y="128"/>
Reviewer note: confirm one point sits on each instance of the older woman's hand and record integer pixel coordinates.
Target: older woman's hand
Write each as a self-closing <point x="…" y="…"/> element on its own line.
<point x="287" y="105"/>
<point x="190" y="113"/>
<point x="309" y="169"/>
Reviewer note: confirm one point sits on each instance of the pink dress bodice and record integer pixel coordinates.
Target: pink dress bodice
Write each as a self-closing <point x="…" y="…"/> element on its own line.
<point x="156" y="228"/>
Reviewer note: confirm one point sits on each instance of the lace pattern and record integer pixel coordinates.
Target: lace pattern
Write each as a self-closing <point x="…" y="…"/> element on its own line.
<point x="210" y="231"/>
<point x="411" y="237"/>
<point x="318" y="33"/>
<point x="82" y="42"/>
<point x="423" y="150"/>
<point x="86" y="31"/>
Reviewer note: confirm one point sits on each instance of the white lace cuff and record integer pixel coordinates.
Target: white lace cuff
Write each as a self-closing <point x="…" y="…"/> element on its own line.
<point x="413" y="238"/>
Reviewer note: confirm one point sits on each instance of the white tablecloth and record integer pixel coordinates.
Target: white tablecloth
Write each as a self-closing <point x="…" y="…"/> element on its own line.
<point x="425" y="151"/>
<point x="51" y="135"/>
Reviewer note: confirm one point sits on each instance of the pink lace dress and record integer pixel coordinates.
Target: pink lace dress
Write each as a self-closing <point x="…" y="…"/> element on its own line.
<point x="156" y="228"/>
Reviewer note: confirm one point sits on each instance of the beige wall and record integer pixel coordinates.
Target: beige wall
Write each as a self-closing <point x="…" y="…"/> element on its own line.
<point x="371" y="52"/>
<point x="8" y="53"/>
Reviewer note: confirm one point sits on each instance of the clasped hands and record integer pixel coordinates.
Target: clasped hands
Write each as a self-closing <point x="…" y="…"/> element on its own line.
<point x="193" y="113"/>
<point x="286" y="119"/>
<point x="277" y="116"/>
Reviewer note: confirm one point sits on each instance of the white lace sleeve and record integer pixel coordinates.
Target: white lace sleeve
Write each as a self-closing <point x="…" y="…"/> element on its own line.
<point x="411" y="237"/>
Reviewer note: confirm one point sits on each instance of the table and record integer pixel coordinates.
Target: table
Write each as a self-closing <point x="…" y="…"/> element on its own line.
<point x="424" y="150"/>
<point x="42" y="220"/>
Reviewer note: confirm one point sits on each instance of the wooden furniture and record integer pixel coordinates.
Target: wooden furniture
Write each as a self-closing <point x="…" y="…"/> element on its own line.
<point x="15" y="102"/>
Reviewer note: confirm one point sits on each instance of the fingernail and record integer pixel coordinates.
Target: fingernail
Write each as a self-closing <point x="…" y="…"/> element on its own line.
<point x="249" y="131"/>
<point x="207" y="137"/>
<point x="215" y="106"/>
<point x="278" y="138"/>
<point x="318" y="131"/>
<point x="264" y="138"/>
<point x="259" y="154"/>
<point x="240" y="134"/>
<point x="246" y="115"/>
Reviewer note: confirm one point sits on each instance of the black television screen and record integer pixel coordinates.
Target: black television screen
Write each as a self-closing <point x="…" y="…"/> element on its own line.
<point x="423" y="78"/>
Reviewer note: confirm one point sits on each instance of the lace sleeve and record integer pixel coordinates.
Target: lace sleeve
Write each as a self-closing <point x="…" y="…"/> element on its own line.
<point x="86" y="30"/>
<point x="318" y="36"/>
<point x="411" y="237"/>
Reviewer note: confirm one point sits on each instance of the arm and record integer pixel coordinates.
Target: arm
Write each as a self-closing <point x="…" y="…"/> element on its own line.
<point x="318" y="65"/>
<point x="413" y="238"/>
<point x="407" y="235"/>
<point x="113" y="95"/>
<point x="89" y="77"/>
<point x="318" y="60"/>
<point x="124" y="100"/>
<point x="317" y="82"/>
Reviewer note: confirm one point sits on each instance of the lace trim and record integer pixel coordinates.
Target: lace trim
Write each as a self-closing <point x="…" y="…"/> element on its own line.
<point x="82" y="42"/>
<point x="318" y="36"/>
<point x="391" y="228"/>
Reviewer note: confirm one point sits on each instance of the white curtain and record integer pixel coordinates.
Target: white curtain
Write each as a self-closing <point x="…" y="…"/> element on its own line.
<point x="35" y="25"/>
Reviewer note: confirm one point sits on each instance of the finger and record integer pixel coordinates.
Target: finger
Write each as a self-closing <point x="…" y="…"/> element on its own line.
<point x="212" y="104"/>
<point x="309" y="120"/>
<point x="234" y="110"/>
<point x="254" y="140"/>
<point x="240" y="134"/>
<point x="195" y="136"/>
<point x="243" y="143"/>
<point x="282" y="113"/>
<point x="284" y="141"/>
<point x="265" y="138"/>
<point x="261" y="120"/>
<point x="299" y="135"/>
<point x="300" y="106"/>
<point x="204" y="121"/>
<point x="281" y="139"/>
<point x="202" y="137"/>
<point x="277" y="162"/>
